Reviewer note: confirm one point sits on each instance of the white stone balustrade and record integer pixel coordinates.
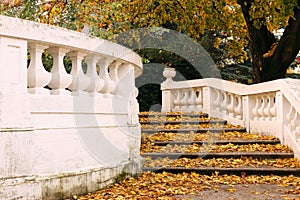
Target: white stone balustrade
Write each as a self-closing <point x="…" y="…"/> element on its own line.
<point x="269" y="108"/>
<point x="56" y="127"/>
<point x="265" y="107"/>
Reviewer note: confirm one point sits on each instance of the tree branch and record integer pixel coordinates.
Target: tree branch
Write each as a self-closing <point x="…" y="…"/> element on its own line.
<point x="261" y="40"/>
<point x="289" y="44"/>
<point x="245" y="5"/>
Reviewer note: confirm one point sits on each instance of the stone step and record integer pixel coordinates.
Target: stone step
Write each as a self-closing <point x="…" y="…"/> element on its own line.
<point x="195" y="130"/>
<point x="235" y="142"/>
<point x="234" y="171"/>
<point x="173" y="114"/>
<point x="211" y="121"/>
<point x="207" y="155"/>
<point x="156" y="125"/>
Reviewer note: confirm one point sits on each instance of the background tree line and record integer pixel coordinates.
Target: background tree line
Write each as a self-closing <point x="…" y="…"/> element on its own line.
<point x="240" y="35"/>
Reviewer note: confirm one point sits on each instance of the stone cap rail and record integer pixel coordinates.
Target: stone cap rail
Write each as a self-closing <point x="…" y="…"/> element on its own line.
<point x="57" y="36"/>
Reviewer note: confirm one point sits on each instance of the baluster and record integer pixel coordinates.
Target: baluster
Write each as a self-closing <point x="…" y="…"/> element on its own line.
<point x="238" y="110"/>
<point x="223" y="104"/>
<point x="177" y="101"/>
<point x="109" y="84"/>
<point x="181" y="95"/>
<point x="230" y="107"/>
<point x="184" y="101"/>
<point x="96" y="83"/>
<point x="260" y="110"/>
<point x="199" y="99"/>
<point x="114" y="69"/>
<point x="37" y="76"/>
<point x="60" y="78"/>
<point x="216" y="102"/>
<point x="80" y="81"/>
<point x="289" y="117"/>
<point x="192" y="100"/>
<point x="266" y="110"/>
<point x="294" y="119"/>
<point x="255" y="109"/>
<point x="273" y="108"/>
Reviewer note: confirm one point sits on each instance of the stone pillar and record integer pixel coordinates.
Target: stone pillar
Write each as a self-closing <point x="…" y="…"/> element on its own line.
<point x="207" y="105"/>
<point x="280" y="115"/>
<point x="246" y="112"/>
<point x="14" y="105"/>
<point x="167" y="101"/>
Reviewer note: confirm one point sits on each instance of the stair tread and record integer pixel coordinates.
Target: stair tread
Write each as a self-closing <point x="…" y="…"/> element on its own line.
<point x="183" y="121"/>
<point x="217" y="142"/>
<point x="174" y="114"/>
<point x="195" y="130"/>
<point x="264" y="168"/>
<point x="222" y="154"/>
<point x="237" y="171"/>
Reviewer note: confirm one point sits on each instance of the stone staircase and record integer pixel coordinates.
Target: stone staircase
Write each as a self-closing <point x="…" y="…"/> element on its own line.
<point x="184" y="142"/>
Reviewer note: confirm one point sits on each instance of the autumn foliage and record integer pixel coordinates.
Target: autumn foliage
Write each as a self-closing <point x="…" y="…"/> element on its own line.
<point x="237" y="23"/>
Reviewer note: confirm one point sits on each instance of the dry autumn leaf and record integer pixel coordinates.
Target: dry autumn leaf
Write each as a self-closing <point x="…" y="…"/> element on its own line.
<point x="152" y="185"/>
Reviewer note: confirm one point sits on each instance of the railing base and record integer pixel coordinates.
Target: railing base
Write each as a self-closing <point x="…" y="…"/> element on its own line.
<point x="66" y="185"/>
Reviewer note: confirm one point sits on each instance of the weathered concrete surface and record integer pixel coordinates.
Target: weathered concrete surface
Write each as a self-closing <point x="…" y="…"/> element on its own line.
<point x="65" y="132"/>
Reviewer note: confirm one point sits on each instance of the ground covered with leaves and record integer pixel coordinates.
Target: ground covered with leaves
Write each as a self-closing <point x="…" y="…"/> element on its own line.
<point x="214" y="185"/>
<point x="152" y="185"/>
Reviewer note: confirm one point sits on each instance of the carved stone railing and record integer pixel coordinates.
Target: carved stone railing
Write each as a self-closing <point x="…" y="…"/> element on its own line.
<point x="79" y="126"/>
<point x="269" y="108"/>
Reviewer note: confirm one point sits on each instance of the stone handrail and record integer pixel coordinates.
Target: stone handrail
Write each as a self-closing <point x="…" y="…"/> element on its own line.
<point x="269" y="108"/>
<point x="60" y="42"/>
<point x="65" y="132"/>
<point x="109" y="66"/>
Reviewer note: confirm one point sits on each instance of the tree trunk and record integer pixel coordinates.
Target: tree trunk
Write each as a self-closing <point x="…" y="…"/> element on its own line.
<point x="270" y="58"/>
<point x="261" y="41"/>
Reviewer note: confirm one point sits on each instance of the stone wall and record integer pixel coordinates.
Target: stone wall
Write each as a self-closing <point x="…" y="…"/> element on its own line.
<point x="65" y="133"/>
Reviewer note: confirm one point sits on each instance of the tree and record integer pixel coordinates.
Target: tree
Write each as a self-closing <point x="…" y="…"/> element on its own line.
<point x="239" y="24"/>
<point x="271" y="58"/>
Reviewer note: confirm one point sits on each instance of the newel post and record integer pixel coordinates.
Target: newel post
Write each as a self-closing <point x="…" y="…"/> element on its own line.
<point x="14" y="104"/>
<point x="247" y="108"/>
<point x="280" y="116"/>
<point x="167" y="97"/>
<point x="207" y="104"/>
